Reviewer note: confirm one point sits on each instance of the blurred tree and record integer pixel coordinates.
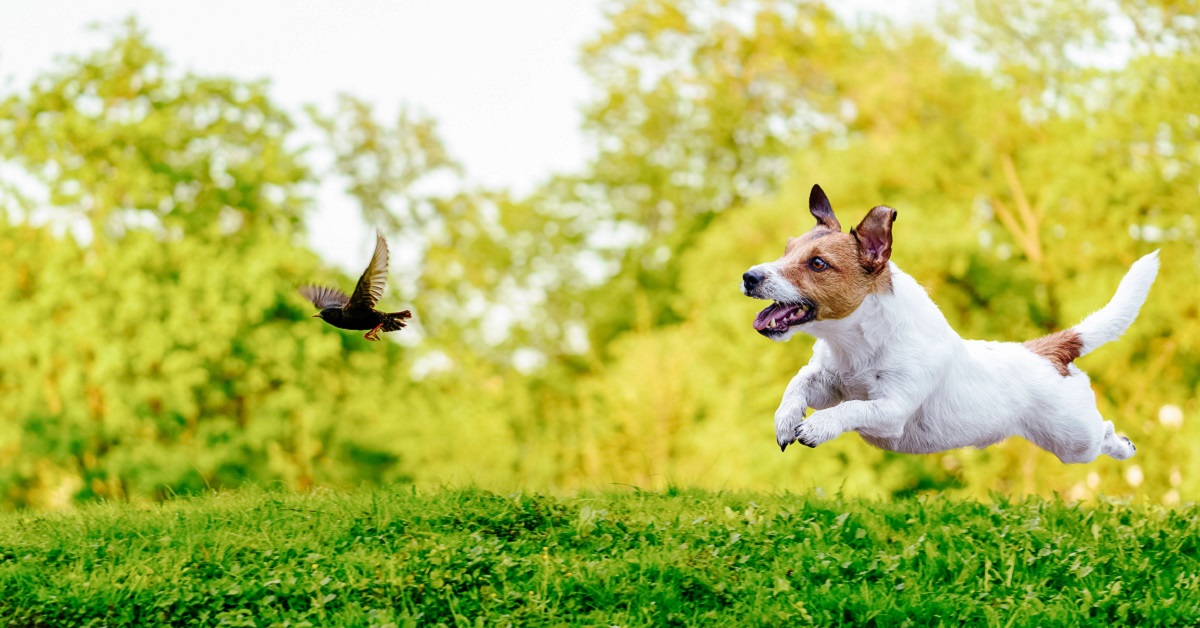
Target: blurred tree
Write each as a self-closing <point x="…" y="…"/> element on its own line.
<point x="701" y="104"/>
<point x="173" y="354"/>
<point x="1033" y="149"/>
<point x="119" y="140"/>
<point x="482" y="263"/>
<point x="386" y="167"/>
<point x="1026" y="187"/>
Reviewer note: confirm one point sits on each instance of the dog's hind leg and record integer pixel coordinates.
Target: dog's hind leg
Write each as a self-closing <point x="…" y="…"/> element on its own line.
<point x="1069" y="425"/>
<point x="1085" y="441"/>
<point x="1074" y="436"/>
<point x="1115" y="446"/>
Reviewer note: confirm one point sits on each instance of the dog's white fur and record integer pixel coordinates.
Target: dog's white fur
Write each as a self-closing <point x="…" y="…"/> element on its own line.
<point x="895" y="372"/>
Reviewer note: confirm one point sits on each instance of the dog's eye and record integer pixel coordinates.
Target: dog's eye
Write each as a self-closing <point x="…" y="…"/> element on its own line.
<point x="817" y="264"/>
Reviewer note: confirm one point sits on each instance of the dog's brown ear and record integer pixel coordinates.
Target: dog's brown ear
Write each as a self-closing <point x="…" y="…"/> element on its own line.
<point x="874" y="238"/>
<point x="819" y="205"/>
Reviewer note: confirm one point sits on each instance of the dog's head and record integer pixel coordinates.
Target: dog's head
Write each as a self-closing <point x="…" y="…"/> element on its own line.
<point x="825" y="274"/>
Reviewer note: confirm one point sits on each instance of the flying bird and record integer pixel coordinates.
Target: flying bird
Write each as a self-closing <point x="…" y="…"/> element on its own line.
<point x="357" y="311"/>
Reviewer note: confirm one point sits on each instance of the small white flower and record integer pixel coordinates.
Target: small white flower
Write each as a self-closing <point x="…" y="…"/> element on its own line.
<point x="1133" y="475"/>
<point x="1170" y="415"/>
<point x="1176" y="477"/>
<point x="1093" y="480"/>
<point x="985" y="238"/>
<point x="1171" y="498"/>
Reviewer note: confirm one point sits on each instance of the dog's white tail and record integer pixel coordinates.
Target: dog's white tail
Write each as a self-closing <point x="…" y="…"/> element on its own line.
<point x="1113" y="319"/>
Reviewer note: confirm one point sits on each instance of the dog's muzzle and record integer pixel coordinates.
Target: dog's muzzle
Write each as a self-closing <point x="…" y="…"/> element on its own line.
<point x="777" y="318"/>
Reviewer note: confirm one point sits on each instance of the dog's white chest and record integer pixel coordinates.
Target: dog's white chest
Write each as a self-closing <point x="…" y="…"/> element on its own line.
<point x="859" y="385"/>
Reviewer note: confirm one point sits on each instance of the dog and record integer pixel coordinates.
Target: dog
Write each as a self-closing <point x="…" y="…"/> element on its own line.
<point x="888" y="365"/>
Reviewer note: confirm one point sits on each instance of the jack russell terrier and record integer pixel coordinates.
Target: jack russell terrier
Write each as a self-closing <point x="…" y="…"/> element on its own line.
<point x="887" y="365"/>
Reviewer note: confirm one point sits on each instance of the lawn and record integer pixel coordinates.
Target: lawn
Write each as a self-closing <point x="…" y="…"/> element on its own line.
<point x="474" y="558"/>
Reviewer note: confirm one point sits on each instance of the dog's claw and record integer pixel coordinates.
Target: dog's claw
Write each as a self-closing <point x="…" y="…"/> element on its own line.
<point x="803" y="438"/>
<point x="784" y="418"/>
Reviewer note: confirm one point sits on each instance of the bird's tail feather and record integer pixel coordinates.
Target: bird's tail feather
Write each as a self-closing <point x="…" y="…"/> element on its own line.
<point x="395" y="320"/>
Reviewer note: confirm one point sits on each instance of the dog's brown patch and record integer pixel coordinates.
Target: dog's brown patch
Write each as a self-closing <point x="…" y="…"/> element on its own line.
<point x="1060" y="348"/>
<point x="857" y="261"/>
<point x="822" y="210"/>
<point x="874" y="238"/>
<point x="839" y="289"/>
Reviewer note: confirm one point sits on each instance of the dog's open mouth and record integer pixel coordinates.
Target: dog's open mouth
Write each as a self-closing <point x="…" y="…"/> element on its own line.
<point x="778" y="317"/>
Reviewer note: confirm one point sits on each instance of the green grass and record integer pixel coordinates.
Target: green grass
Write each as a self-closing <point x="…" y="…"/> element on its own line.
<point x="468" y="557"/>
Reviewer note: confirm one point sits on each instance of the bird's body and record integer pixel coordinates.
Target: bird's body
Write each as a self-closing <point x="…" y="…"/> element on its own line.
<point x="365" y="319"/>
<point x="357" y="311"/>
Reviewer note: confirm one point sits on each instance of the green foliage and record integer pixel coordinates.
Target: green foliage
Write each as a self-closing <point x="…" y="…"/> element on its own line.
<point x="469" y="557"/>
<point x="701" y="104"/>
<point x="385" y="166"/>
<point x="1024" y="194"/>
<point x="115" y="136"/>
<point x="174" y="354"/>
<point x="481" y="263"/>
<point x="162" y="349"/>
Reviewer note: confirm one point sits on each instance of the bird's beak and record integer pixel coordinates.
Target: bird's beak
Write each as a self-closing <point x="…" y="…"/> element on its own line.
<point x="317" y="315"/>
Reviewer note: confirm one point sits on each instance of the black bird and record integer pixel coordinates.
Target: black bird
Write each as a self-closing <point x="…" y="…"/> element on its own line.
<point x="357" y="311"/>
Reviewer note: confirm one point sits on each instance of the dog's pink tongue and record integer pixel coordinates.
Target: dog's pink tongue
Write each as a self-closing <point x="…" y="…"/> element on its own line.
<point x="764" y="317"/>
<point x="775" y="312"/>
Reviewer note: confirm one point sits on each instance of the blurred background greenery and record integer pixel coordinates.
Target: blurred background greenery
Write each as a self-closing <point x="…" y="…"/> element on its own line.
<point x="153" y="344"/>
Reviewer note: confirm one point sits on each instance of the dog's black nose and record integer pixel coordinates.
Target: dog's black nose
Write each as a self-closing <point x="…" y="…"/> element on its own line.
<point x="752" y="278"/>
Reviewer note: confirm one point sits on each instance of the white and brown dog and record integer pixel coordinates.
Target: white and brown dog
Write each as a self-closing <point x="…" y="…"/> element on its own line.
<point x="887" y="365"/>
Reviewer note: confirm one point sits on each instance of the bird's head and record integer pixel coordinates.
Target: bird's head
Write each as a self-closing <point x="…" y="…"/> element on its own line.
<point x="328" y="313"/>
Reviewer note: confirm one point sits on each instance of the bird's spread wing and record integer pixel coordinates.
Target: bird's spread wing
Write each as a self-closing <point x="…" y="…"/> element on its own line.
<point x="370" y="286"/>
<point x="323" y="297"/>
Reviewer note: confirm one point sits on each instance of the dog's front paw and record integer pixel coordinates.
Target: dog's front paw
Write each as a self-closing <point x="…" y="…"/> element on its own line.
<point x="816" y="430"/>
<point x="787" y="417"/>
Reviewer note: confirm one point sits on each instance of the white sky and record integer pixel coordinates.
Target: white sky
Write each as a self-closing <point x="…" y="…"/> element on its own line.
<point x="501" y="78"/>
